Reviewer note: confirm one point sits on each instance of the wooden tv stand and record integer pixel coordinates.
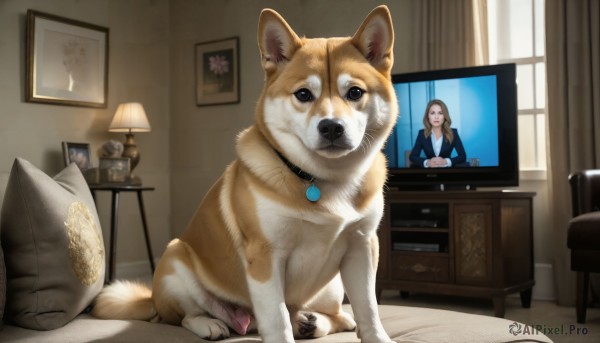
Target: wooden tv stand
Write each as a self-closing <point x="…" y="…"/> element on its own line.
<point x="464" y="243"/>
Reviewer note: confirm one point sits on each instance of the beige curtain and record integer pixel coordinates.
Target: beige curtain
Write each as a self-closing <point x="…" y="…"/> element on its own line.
<point x="573" y="114"/>
<point x="450" y="34"/>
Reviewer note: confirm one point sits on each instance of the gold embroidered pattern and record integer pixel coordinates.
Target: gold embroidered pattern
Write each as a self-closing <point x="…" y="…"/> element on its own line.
<point x="473" y="243"/>
<point x="85" y="246"/>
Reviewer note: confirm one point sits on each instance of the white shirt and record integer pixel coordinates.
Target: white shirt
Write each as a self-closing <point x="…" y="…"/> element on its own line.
<point x="437" y="144"/>
<point x="437" y="147"/>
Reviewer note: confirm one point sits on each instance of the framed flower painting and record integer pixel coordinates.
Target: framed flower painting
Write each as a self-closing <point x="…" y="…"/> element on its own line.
<point x="217" y="72"/>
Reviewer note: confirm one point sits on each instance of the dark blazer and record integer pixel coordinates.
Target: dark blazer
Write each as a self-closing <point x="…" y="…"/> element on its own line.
<point x="424" y="144"/>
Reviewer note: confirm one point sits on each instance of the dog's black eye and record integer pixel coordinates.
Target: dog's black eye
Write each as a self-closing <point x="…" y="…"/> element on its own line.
<point x="354" y="93"/>
<point x="304" y="95"/>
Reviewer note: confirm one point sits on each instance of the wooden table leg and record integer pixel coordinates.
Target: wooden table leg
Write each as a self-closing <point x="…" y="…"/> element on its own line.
<point x="146" y="235"/>
<point x="113" y="236"/>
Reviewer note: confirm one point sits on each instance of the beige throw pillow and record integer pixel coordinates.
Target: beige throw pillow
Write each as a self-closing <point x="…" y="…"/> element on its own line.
<point x="53" y="246"/>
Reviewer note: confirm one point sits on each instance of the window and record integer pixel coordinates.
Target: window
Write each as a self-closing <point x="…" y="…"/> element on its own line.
<point x="516" y="35"/>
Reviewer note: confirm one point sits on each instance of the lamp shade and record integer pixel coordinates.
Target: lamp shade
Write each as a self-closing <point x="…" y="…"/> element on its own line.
<point x="130" y="117"/>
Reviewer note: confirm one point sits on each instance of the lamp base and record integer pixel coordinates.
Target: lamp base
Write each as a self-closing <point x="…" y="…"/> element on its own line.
<point x="131" y="151"/>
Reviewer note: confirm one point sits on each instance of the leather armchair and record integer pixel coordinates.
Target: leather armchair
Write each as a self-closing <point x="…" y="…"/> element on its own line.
<point x="583" y="235"/>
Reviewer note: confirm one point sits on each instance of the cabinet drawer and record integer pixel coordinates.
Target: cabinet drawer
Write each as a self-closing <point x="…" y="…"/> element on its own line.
<point x="420" y="268"/>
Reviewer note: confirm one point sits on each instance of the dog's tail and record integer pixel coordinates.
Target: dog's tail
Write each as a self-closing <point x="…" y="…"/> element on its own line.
<point x="125" y="300"/>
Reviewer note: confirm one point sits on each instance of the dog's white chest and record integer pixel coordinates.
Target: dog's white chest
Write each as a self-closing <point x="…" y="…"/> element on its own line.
<point x="291" y="225"/>
<point x="312" y="243"/>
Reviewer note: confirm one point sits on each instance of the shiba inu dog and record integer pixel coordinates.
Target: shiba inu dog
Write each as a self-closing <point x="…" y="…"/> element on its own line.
<point x="291" y="224"/>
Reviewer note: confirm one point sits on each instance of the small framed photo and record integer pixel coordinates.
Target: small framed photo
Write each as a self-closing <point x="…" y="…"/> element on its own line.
<point x="67" y="61"/>
<point x="217" y="72"/>
<point x="114" y="169"/>
<point x="78" y="153"/>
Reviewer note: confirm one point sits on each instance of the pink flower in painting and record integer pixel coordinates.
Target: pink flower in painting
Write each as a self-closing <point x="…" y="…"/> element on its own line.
<point x="218" y="64"/>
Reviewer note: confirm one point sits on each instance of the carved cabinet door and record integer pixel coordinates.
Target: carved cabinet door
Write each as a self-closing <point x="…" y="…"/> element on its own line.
<point x="473" y="243"/>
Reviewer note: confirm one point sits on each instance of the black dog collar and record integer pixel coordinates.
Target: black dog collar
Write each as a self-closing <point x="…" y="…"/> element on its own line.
<point x="313" y="193"/>
<point x="295" y="169"/>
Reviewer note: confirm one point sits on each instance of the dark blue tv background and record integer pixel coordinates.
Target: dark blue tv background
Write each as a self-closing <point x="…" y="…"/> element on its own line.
<point x="472" y="104"/>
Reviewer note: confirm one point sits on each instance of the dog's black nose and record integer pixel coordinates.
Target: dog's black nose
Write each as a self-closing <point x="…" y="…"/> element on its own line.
<point x="331" y="129"/>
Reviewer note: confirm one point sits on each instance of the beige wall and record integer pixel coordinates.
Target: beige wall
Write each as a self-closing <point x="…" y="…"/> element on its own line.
<point x="151" y="60"/>
<point x="202" y="139"/>
<point x="138" y="71"/>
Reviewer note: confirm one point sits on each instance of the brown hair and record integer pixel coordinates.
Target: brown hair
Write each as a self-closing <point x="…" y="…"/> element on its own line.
<point x="446" y="130"/>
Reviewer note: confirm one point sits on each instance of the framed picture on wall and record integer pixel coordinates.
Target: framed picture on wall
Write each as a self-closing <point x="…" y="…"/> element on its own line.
<point x="217" y="72"/>
<point x="67" y="61"/>
<point x="78" y="153"/>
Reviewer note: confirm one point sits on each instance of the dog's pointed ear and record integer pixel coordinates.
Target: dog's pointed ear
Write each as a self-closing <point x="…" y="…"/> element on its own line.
<point x="375" y="39"/>
<point x="276" y="40"/>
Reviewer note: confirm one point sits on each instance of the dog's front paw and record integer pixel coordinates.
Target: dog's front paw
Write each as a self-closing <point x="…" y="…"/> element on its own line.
<point x="207" y="328"/>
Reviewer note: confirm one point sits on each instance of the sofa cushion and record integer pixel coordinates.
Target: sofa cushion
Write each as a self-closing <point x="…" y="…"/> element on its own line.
<point x="53" y="246"/>
<point x="403" y="324"/>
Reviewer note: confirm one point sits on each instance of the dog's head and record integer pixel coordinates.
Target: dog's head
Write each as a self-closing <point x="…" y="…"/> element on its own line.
<point x="327" y="100"/>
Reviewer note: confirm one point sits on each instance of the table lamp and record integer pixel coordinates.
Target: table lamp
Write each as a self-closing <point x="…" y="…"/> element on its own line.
<point x="130" y="117"/>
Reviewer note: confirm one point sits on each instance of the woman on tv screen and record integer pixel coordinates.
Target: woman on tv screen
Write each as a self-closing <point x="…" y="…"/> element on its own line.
<point x="437" y="140"/>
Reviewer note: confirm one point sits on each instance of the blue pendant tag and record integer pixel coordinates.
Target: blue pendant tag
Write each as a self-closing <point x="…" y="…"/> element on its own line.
<point x="313" y="193"/>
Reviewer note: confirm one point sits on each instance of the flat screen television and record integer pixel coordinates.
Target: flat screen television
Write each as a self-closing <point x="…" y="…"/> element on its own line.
<point x="482" y="105"/>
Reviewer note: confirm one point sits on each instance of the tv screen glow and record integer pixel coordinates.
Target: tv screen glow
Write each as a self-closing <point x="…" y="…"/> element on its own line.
<point x="482" y="104"/>
<point x="472" y="106"/>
